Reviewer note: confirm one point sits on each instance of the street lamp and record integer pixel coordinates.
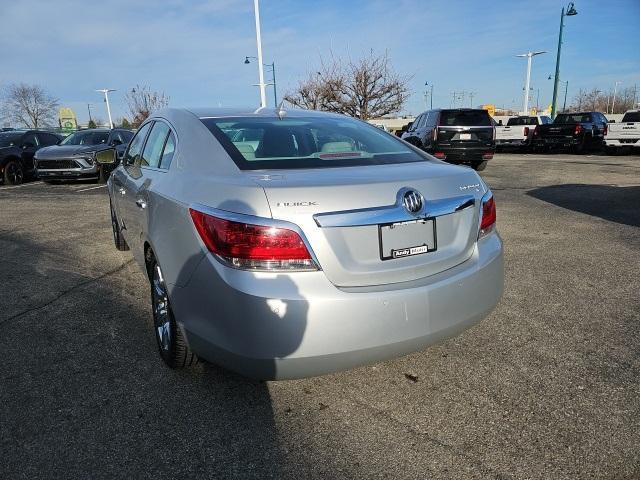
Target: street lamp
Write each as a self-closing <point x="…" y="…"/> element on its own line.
<point x="571" y="11"/>
<point x="430" y="94"/>
<point x="529" y="56"/>
<point x="272" y="66"/>
<point x="106" y="99"/>
<point x="261" y="84"/>
<point x="566" y="88"/>
<point x="615" y="91"/>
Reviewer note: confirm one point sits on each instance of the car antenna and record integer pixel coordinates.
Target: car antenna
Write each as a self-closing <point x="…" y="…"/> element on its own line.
<point x="281" y="111"/>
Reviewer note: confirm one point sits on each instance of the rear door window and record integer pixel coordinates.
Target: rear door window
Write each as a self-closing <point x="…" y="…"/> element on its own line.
<point x="168" y="151"/>
<point x="465" y="118"/>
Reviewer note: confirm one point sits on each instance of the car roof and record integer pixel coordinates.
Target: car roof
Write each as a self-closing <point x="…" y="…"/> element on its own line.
<point x="252" y="112"/>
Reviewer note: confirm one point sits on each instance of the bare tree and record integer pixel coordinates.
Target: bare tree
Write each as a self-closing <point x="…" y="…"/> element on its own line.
<point x="603" y="101"/>
<point x="29" y="105"/>
<point x="366" y="88"/>
<point x="142" y="101"/>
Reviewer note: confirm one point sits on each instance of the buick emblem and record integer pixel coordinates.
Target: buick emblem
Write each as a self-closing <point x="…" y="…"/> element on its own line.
<point x="412" y="201"/>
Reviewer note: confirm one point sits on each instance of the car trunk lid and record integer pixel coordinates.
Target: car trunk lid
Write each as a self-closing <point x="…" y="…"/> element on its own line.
<point x="341" y="210"/>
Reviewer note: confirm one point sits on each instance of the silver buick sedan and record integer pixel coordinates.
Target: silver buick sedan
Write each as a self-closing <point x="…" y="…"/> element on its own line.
<point x="290" y="243"/>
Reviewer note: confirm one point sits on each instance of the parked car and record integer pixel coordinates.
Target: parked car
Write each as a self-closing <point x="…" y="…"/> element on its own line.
<point x="74" y="157"/>
<point x="17" y="148"/>
<point x="518" y="132"/>
<point x="460" y="135"/>
<point x="578" y="132"/>
<point x="624" y="135"/>
<point x="331" y="244"/>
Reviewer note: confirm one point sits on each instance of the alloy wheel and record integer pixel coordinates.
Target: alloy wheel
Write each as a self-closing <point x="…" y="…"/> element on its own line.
<point x="161" y="315"/>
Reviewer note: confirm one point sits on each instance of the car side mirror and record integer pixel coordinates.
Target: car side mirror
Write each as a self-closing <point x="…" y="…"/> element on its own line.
<point x="107" y="156"/>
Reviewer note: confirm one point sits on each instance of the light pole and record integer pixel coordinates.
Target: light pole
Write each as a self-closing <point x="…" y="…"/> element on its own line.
<point x="261" y="84"/>
<point x="106" y="99"/>
<point x="89" y="108"/>
<point x="566" y="89"/>
<point x="272" y="66"/>
<point x="529" y="56"/>
<point x="430" y="95"/>
<point x="571" y="11"/>
<point x="615" y="91"/>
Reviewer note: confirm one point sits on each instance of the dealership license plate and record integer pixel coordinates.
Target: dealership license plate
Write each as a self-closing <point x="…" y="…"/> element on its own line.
<point x="465" y="136"/>
<point x="406" y="239"/>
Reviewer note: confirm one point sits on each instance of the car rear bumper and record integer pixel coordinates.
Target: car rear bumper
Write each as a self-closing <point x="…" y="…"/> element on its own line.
<point x="623" y="142"/>
<point x="558" y="142"/>
<point x="512" y="142"/>
<point x="280" y="326"/>
<point x="458" y="154"/>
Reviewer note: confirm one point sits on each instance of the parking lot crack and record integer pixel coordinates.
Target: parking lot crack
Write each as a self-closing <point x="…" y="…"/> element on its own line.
<point x="82" y="284"/>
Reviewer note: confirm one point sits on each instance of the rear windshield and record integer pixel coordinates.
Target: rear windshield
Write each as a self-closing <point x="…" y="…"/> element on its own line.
<point x="631" y="117"/>
<point x="465" y="118"/>
<point x="273" y="143"/>
<point x="522" y="121"/>
<point x="573" y="118"/>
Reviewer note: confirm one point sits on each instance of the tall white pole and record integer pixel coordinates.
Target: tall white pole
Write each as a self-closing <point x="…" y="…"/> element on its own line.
<point x="263" y="92"/>
<point x="526" y="85"/>
<point x="106" y="99"/>
<point x="615" y="91"/>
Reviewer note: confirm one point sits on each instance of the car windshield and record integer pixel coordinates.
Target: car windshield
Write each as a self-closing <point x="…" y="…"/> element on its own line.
<point x="314" y="142"/>
<point x="573" y="118"/>
<point x="86" y="138"/>
<point x="631" y="117"/>
<point x="8" y="139"/>
<point x="465" y="118"/>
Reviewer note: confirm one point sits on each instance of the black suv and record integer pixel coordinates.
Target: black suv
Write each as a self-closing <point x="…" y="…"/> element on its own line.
<point x="17" y="148"/>
<point x="74" y="157"/>
<point x="460" y="135"/>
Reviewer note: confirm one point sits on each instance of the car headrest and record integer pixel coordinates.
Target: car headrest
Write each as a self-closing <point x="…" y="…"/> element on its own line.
<point x="333" y="147"/>
<point x="246" y="149"/>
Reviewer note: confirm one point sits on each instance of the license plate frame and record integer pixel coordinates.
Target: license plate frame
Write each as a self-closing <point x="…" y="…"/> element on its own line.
<point x="420" y="247"/>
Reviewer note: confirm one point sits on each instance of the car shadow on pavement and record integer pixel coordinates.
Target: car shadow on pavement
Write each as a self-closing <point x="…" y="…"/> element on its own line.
<point x="614" y="203"/>
<point x="84" y="393"/>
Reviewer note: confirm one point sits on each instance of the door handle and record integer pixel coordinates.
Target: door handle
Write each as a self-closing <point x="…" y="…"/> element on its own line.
<point x="141" y="203"/>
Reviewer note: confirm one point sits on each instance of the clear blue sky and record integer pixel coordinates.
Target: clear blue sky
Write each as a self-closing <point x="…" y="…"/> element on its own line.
<point x="194" y="50"/>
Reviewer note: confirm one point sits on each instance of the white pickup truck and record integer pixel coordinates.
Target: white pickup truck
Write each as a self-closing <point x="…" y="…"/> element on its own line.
<point x="519" y="131"/>
<point x="625" y="134"/>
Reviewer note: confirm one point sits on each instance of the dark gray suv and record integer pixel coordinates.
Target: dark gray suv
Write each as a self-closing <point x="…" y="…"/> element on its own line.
<point x="461" y="135"/>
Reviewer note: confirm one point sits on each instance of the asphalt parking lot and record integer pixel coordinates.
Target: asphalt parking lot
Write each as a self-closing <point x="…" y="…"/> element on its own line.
<point x="547" y="387"/>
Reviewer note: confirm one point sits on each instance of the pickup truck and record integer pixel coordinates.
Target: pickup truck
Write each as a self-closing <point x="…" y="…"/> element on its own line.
<point x="519" y="131"/>
<point x="625" y="134"/>
<point x="577" y="132"/>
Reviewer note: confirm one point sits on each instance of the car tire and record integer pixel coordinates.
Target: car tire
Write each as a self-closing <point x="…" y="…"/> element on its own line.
<point x="172" y="345"/>
<point x="479" y="166"/>
<point x="13" y="173"/>
<point x="118" y="239"/>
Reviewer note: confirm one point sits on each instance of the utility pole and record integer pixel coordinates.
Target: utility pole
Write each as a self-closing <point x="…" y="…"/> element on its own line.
<point x="430" y="95"/>
<point x="89" y="108"/>
<point x="471" y="95"/>
<point x="263" y="92"/>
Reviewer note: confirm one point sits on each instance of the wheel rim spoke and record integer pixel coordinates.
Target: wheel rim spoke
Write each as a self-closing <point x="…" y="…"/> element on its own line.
<point x="161" y="310"/>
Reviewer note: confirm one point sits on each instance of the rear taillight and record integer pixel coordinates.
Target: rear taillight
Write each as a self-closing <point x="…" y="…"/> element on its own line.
<point x="435" y="134"/>
<point x="494" y="134"/>
<point x="252" y="247"/>
<point x="605" y="130"/>
<point x="439" y="155"/>
<point x="487" y="156"/>
<point x="578" y="130"/>
<point x="526" y="131"/>
<point x="536" y="131"/>
<point x="487" y="215"/>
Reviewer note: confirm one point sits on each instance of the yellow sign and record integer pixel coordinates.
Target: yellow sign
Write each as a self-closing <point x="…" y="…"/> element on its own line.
<point x="490" y="108"/>
<point x="67" y="119"/>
